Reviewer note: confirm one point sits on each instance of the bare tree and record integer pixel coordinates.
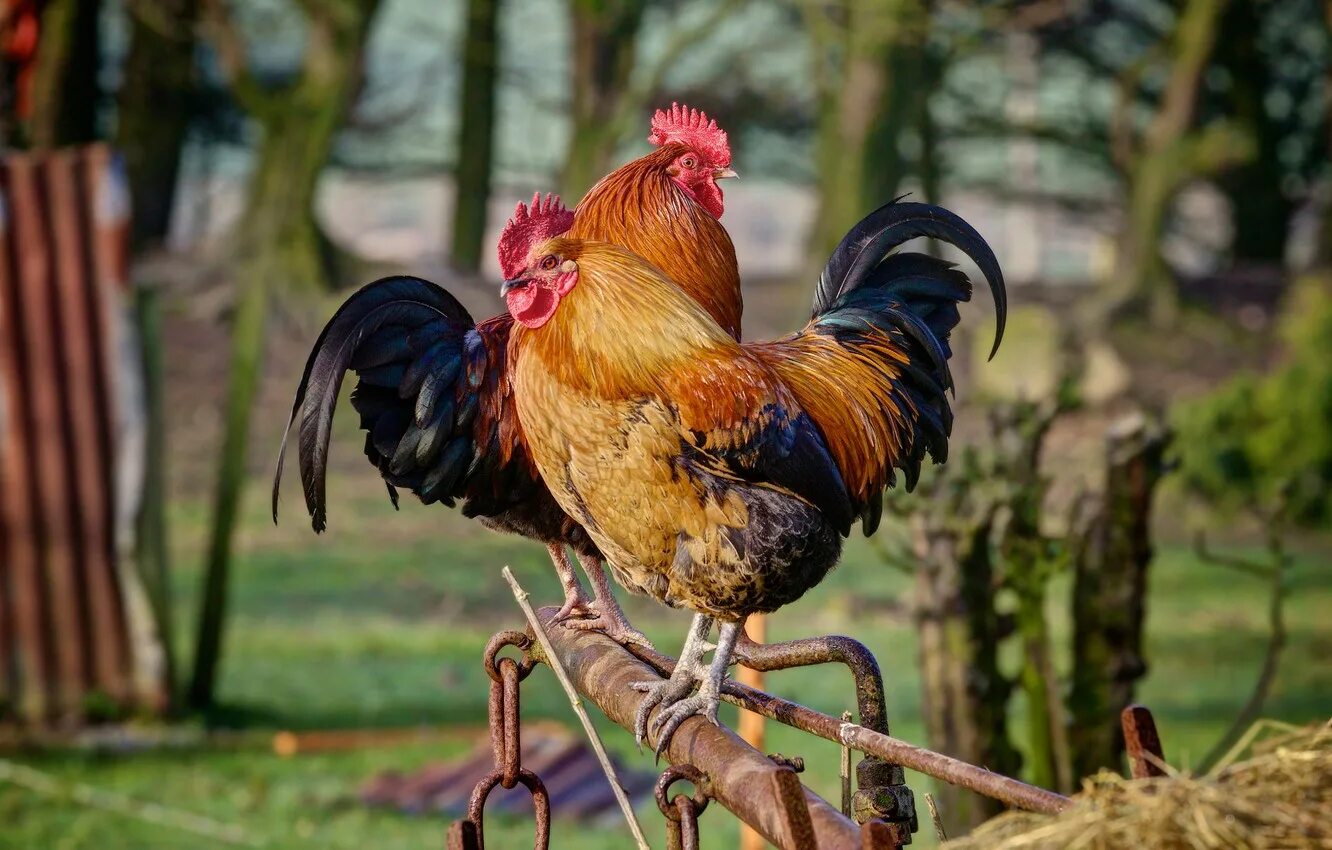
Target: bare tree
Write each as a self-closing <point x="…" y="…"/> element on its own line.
<point x="65" y="92"/>
<point x="157" y="97"/>
<point x="279" y="245"/>
<point x="611" y="85"/>
<point x="476" y="133"/>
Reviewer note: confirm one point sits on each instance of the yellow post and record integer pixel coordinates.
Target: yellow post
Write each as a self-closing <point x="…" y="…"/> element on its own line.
<point x="751" y="724"/>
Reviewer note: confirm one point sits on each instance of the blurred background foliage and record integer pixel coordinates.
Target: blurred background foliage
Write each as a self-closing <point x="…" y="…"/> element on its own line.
<point x="1154" y="176"/>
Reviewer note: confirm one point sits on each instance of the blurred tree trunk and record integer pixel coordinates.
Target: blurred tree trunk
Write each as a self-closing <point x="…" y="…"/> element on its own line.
<point x="1261" y="209"/>
<point x="280" y="247"/>
<point x="65" y="94"/>
<point x="156" y="106"/>
<point x="865" y="100"/>
<point x="152" y="554"/>
<point x="475" y="133"/>
<point x="1030" y="561"/>
<point x="605" y="42"/>
<point x="1323" y="251"/>
<point x="964" y="694"/>
<point x="1169" y="153"/>
<point x="1111" y="551"/>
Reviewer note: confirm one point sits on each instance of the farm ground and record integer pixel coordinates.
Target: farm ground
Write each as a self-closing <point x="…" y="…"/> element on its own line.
<point x="365" y="630"/>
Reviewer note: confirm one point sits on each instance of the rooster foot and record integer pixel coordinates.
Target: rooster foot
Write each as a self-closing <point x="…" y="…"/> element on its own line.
<point x="688" y="672"/>
<point x="704" y="703"/>
<point x="662" y="692"/>
<point x="677" y="706"/>
<point x="612" y="623"/>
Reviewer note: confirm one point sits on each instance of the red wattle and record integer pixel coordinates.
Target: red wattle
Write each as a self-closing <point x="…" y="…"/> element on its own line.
<point x="708" y="195"/>
<point x="532" y="305"/>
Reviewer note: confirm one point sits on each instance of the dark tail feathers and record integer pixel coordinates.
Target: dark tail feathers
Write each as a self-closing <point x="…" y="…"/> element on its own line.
<point x="409" y="341"/>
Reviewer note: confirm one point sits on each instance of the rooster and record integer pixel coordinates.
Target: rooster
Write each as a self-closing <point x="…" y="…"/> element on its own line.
<point x="722" y="477"/>
<point x="433" y="391"/>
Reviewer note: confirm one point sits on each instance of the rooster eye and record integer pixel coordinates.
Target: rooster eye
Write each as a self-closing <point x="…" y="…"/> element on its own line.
<point x="549" y="262"/>
<point x="689" y="162"/>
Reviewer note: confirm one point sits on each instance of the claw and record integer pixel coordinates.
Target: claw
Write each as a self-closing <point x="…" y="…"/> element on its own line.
<point x="671" y="717"/>
<point x="665" y="692"/>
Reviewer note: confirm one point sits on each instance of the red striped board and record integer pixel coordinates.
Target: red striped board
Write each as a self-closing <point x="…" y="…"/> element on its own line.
<point x="65" y="645"/>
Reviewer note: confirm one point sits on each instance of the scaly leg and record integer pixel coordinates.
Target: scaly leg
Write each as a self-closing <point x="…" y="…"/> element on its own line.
<point x="708" y="698"/>
<point x="576" y="602"/>
<point x="689" y="671"/>
<point x="608" y="616"/>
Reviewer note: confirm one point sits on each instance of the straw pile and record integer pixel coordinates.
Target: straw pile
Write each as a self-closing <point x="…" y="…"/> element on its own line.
<point x="1278" y="798"/>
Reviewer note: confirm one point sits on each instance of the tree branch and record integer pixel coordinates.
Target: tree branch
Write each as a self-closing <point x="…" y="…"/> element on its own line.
<point x="219" y="28"/>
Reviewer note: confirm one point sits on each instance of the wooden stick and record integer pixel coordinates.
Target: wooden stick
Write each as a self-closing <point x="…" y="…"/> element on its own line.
<point x="554" y="661"/>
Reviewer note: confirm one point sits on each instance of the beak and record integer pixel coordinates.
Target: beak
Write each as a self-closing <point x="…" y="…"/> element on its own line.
<point x="510" y="285"/>
<point x="723" y="173"/>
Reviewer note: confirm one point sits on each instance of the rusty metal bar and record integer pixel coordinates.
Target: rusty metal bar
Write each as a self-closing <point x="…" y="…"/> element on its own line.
<point x="603" y="671"/>
<point x="1142" y="742"/>
<point x="611" y="658"/>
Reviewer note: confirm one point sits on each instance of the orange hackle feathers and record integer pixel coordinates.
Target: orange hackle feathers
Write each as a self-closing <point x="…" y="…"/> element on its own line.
<point x="639" y="207"/>
<point x="694" y="129"/>
<point x="526" y="227"/>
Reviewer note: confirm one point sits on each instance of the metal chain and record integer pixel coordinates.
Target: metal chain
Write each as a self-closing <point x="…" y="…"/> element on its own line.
<point x="681" y="812"/>
<point x="506" y="740"/>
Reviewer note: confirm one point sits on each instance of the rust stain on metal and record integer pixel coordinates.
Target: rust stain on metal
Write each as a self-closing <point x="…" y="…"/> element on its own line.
<point x="1142" y="742"/>
<point x="793" y="807"/>
<point x="882" y="789"/>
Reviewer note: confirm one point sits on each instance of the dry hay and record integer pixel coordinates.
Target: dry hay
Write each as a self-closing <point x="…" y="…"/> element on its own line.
<point x="1278" y="798"/>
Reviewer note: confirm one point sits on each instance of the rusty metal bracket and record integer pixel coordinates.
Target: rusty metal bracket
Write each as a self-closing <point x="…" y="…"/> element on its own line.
<point x="882" y="790"/>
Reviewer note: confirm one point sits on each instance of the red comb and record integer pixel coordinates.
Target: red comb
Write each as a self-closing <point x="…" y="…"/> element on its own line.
<point x="526" y="228"/>
<point x="694" y="128"/>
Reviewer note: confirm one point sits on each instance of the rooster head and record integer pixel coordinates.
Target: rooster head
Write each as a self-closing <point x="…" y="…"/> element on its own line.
<point x="534" y="285"/>
<point x="702" y="155"/>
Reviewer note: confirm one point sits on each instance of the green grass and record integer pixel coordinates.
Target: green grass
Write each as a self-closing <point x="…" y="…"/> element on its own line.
<point x="380" y="623"/>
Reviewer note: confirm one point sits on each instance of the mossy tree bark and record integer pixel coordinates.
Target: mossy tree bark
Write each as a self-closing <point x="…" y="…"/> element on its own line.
<point x="475" y="133"/>
<point x="65" y="93"/>
<point x="281" y="248"/>
<point x="1260" y="207"/>
<point x="157" y="97"/>
<point x="1111" y="552"/>
<point x="964" y="694"/>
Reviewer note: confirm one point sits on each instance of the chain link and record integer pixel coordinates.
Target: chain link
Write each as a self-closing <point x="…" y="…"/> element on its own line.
<point x="682" y="811"/>
<point x="506" y="741"/>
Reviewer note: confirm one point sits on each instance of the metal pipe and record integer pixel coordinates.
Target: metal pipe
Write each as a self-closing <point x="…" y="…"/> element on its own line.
<point x="740" y="778"/>
<point x="1007" y="790"/>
